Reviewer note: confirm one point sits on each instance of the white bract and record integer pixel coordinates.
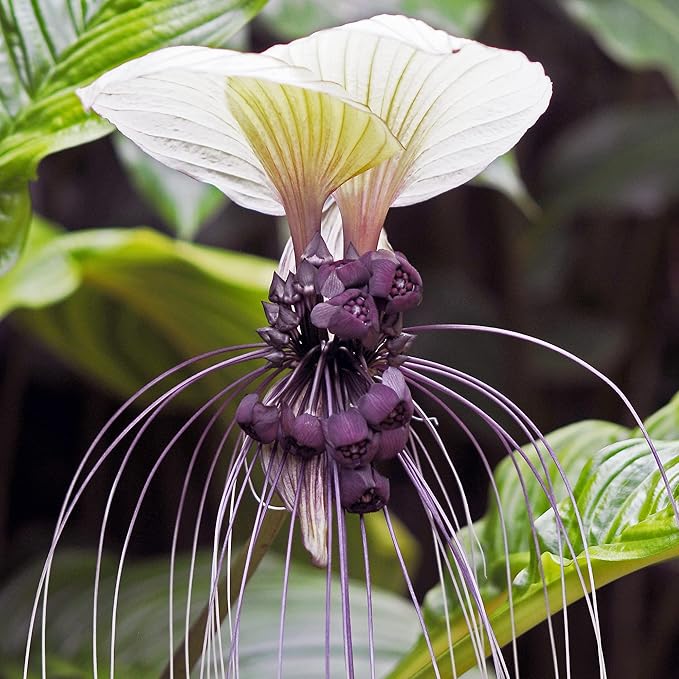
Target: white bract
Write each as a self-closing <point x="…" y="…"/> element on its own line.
<point x="381" y="112"/>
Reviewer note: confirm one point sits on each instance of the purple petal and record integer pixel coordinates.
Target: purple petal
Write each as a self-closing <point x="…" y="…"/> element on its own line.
<point x="345" y="428"/>
<point x="301" y="435"/>
<point x="363" y="490"/>
<point x="321" y="314"/>
<point x="377" y="404"/>
<point x="393" y="378"/>
<point x="392" y="442"/>
<point x="244" y="410"/>
<point x="382" y="278"/>
<point x="353" y="274"/>
<point x="346" y="326"/>
<point x="265" y="423"/>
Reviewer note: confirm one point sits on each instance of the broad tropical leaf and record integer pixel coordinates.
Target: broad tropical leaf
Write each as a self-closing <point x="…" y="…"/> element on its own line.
<point x="123" y="305"/>
<point x="638" y="33"/>
<point x="48" y="49"/>
<point x="142" y="633"/>
<point x="292" y="19"/>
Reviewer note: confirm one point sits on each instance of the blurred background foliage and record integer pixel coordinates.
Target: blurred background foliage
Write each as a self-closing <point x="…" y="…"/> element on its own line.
<point x="130" y="268"/>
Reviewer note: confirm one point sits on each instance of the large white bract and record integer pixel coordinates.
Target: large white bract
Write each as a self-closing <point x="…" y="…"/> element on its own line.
<point x="385" y="111"/>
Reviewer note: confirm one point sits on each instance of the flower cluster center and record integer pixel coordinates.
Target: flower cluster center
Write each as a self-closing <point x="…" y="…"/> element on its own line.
<point x="335" y="333"/>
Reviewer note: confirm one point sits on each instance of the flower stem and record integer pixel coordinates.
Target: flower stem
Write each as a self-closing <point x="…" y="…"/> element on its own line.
<point x="271" y="524"/>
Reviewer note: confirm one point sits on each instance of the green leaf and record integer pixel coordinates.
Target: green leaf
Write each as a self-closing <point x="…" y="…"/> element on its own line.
<point x="15" y="217"/>
<point x="292" y="19"/>
<point x="142" y="645"/>
<point x="122" y="305"/>
<point x="638" y="33"/>
<point x="664" y="425"/>
<point x="44" y="274"/>
<point x="621" y="159"/>
<point x="184" y="203"/>
<point x="628" y="525"/>
<point x="49" y="49"/>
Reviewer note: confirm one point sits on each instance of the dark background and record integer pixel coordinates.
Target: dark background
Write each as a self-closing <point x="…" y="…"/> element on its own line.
<point x="601" y="280"/>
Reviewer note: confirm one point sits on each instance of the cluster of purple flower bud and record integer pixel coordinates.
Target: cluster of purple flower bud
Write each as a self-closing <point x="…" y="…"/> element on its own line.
<point x="339" y="322"/>
<point x="356" y="299"/>
<point x="374" y="429"/>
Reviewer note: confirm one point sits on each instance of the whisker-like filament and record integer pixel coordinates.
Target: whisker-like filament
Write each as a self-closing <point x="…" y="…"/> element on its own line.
<point x="328" y="569"/>
<point x="369" y="598"/>
<point x="511" y="445"/>
<point x="344" y="580"/>
<point x="286" y="570"/>
<point x="527" y="427"/>
<point x="333" y="396"/>
<point x="411" y="592"/>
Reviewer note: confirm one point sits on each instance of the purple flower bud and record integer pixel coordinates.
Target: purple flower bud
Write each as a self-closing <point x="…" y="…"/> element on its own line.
<point x="351" y="315"/>
<point x="401" y="343"/>
<point x="349" y="438"/>
<point x="305" y="279"/>
<point x="392" y="442"/>
<point x="274" y="338"/>
<point x="384" y="409"/>
<point x="277" y="288"/>
<point x="290" y="295"/>
<point x="301" y="435"/>
<point x="350" y="251"/>
<point x="395" y="280"/>
<point x="363" y="490"/>
<point x="276" y="358"/>
<point x="287" y="319"/>
<point x="336" y="277"/>
<point x="270" y="311"/>
<point x="391" y="324"/>
<point x="258" y="421"/>
<point x="316" y="252"/>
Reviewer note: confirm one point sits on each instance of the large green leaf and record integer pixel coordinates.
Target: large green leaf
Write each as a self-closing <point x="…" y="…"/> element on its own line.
<point x="123" y="305"/>
<point x="625" y="511"/>
<point x="48" y="49"/>
<point x="639" y="33"/>
<point x="295" y="18"/>
<point x="15" y="216"/>
<point x="142" y="635"/>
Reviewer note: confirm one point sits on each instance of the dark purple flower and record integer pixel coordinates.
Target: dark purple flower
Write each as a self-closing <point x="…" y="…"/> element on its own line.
<point x="395" y="280"/>
<point x="391" y="443"/>
<point x="350" y="315"/>
<point x="363" y="490"/>
<point x="301" y="435"/>
<point x="334" y="278"/>
<point x="350" y="440"/>
<point x="258" y="421"/>
<point x="388" y="405"/>
<point x="384" y="409"/>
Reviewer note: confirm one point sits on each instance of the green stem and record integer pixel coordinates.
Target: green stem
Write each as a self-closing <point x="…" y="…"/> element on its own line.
<point x="271" y="524"/>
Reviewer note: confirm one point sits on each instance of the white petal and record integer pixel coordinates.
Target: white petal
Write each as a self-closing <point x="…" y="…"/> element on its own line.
<point x="309" y="142"/>
<point x="454" y="104"/>
<point x="313" y="507"/>
<point x="174" y="103"/>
